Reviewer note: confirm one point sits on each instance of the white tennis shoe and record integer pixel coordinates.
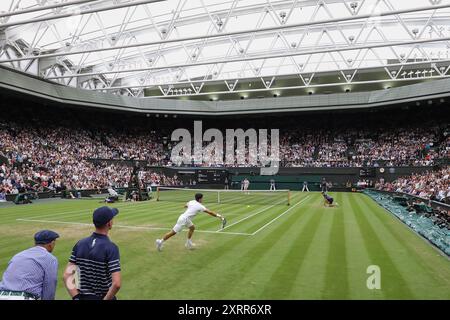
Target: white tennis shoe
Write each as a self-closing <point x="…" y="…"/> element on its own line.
<point x="189" y="245"/>
<point x="159" y="244"/>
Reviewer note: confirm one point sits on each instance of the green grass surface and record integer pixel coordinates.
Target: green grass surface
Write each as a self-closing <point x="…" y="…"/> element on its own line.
<point x="307" y="252"/>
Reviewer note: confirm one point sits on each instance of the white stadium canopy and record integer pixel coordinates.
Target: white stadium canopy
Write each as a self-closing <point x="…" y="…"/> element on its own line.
<point x="188" y="48"/>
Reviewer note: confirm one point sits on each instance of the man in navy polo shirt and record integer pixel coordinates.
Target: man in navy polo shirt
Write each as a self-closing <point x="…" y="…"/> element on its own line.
<point x="93" y="271"/>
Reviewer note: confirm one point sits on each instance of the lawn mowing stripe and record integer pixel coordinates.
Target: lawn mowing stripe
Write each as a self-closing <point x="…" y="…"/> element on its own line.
<point x="171" y="212"/>
<point x="126" y="226"/>
<point x="261" y="213"/>
<point x="206" y="222"/>
<point x="281" y="282"/>
<point x="393" y="285"/>
<point x="65" y="212"/>
<point x="336" y="281"/>
<point x="201" y="260"/>
<point x="357" y="255"/>
<point x="383" y="213"/>
<point x="257" y="220"/>
<point x="309" y="282"/>
<point x="249" y="216"/>
<point x="132" y="217"/>
<point x="400" y="239"/>
<point x="120" y="205"/>
<point x="260" y="261"/>
<point x="76" y="214"/>
<point x="250" y="225"/>
<point x="238" y="263"/>
<point x="281" y="215"/>
<point x="232" y="267"/>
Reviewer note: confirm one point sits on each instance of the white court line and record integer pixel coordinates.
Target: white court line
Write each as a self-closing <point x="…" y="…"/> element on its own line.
<point x="254" y="214"/>
<point x="127" y="227"/>
<point x="121" y="205"/>
<point x="278" y="217"/>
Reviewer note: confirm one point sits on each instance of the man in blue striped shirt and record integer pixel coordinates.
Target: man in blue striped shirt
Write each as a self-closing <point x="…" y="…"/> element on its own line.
<point x="93" y="272"/>
<point x="32" y="273"/>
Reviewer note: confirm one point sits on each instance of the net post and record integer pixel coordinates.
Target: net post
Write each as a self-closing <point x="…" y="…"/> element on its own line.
<point x="289" y="198"/>
<point x="157" y="193"/>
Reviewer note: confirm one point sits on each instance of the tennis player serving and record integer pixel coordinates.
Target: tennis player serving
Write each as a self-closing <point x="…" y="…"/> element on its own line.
<point x="193" y="207"/>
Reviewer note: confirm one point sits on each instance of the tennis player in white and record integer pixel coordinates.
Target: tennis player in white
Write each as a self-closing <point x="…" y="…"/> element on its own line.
<point x="193" y="207"/>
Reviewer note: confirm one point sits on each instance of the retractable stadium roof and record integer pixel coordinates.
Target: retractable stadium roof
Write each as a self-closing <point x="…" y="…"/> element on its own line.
<point x="214" y="49"/>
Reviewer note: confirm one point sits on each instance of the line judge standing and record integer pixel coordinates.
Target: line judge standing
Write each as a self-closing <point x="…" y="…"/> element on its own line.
<point x="95" y="262"/>
<point x="32" y="274"/>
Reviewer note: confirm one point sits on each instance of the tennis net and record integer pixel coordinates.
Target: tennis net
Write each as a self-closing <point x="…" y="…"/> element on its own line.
<point x="250" y="197"/>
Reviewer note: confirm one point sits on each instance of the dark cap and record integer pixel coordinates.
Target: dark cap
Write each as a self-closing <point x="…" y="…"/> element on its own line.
<point x="45" y="236"/>
<point x="103" y="215"/>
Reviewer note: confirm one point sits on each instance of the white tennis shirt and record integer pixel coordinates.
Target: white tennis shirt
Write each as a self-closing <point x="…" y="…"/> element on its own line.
<point x="193" y="208"/>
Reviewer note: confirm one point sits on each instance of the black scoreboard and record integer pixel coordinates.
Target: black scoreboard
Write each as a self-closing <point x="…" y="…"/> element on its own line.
<point x="211" y="176"/>
<point x="367" y="172"/>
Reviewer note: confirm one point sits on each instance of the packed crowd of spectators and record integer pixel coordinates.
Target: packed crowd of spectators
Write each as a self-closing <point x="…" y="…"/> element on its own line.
<point x="361" y="148"/>
<point x="44" y="149"/>
<point x="432" y="185"/>
<point x="57" y="158"/>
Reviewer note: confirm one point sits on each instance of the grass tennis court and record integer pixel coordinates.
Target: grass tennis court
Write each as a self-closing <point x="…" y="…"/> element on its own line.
<point x="268" y="251"/>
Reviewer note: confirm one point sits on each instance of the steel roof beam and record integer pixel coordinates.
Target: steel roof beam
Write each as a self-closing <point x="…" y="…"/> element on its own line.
<point x="228" y="34"/>
<point x="82" y="12"/>
<point x="133" y="55"/>
<point x="252" y="58"/>
<point x="421" y="64"/>
<point x="52" y="6"/>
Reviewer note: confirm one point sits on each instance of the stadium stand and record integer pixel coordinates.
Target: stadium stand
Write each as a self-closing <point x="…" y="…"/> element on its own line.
<point x="45" y="151"/>
<point x="432" y="185"/>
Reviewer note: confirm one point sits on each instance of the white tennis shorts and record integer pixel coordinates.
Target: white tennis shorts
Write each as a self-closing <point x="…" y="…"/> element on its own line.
<point x="182" y="222"/>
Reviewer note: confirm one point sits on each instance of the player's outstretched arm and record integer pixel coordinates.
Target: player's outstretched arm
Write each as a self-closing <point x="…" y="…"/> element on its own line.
<point x="214" y="214"/>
